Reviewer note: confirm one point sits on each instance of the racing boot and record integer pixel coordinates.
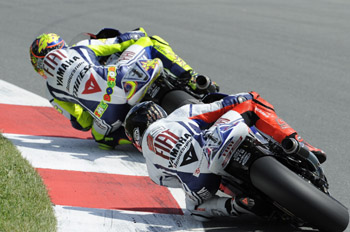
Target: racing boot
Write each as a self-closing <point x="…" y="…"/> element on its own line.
<point x="220" y="206"/>
<point x="320" y="154"/>
<point x="240" y="205"/>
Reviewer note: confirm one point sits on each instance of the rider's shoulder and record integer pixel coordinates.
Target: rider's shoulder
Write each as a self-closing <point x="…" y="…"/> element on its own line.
<point x="61" y="55"/>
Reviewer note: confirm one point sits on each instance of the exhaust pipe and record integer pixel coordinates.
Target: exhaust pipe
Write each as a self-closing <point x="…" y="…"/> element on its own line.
<point x="291" y="146"/>
<point x="203" y="82"/>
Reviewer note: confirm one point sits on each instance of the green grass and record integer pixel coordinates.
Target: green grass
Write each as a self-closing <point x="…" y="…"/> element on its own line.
<point x="24" y="202"/>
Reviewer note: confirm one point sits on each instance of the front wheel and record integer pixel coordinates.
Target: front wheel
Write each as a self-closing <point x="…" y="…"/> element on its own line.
<point x="298" y="196"/>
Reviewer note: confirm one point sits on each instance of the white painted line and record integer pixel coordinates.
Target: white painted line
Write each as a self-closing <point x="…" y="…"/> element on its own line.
<point x="78" y="155"/>
<point x="11" y="94"/>
<point x="75" y="219"/>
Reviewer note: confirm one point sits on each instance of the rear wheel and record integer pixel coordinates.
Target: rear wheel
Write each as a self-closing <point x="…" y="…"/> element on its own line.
<point x="175" y="99"/>
<point x="298" y="196"/>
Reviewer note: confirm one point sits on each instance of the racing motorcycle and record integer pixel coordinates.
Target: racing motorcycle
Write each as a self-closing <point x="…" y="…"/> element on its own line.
<point x="285" y="180"/>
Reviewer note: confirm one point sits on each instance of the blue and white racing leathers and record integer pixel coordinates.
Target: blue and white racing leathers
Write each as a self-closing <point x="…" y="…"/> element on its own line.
<point x="91" y="95"/>
<point x="176" y="152"/>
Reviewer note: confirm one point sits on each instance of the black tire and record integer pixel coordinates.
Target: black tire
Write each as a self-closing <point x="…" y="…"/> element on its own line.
<point x="298" y="196"/>
<point x="175" y="99"/>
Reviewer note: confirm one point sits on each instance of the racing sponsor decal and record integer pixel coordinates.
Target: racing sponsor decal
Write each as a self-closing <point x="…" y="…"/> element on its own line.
<point x="221" y="121"/>
<point x="100" y="109"/>
<point x="57" y="58"/>
<point x="229" y="148"/>
<point x="189" y="157"/>
<point x="72" y="74"/>
<point x="179" y="149"/>
<point x="127" y="55"/>
<point x="64" y="66"/>
<point x="241" y="156"/>
<point x="150" y="137"/>
<point x="171" y="147"/>
<point x="91" y="86"/>
<point x="51" y="61"/>
<point x="79" y="79"/>
<point x="164" y="142"/>
<point x="258" y="110"/>
<point x="282" y="123"/>
<point x="111" y="77"/>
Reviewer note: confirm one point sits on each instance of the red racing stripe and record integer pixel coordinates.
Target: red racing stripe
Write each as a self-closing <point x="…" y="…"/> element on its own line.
<point x="35" y="120"/>
<point x="108" y="191"/>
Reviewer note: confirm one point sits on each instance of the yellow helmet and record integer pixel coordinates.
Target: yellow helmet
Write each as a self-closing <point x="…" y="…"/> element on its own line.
<point x="41" y="46"/>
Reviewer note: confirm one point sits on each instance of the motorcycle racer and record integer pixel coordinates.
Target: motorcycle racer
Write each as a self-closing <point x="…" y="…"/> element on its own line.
<point x="177" y="147"/>
<point x="89" y="93"/>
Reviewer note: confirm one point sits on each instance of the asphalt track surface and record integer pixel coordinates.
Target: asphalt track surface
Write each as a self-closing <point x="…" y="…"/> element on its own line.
<point x="294" y="53"/>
